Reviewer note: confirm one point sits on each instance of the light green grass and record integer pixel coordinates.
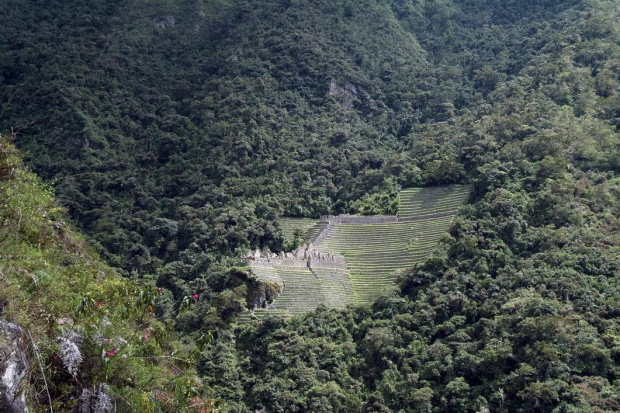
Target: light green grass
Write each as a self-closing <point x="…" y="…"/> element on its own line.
<point x="376" y="253"/>
<point x="416" y="202"/>
<point x="290" y="225"/>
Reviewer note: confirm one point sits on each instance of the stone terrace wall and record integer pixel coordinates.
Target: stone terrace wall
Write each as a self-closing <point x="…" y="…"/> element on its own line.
<point x="291" y="262"/>
<point x="304" y="256"/>
<point x="355" y="219"/>
<point x="319" y="259"/>
<point x="260" y="263"/>
<point x="329" y="228"/>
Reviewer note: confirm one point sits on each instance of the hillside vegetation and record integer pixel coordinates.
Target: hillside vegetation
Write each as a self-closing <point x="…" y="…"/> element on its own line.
<point x="169" y="124"/>
<point x="177" y="133"/>
<point x="91" y="339"/>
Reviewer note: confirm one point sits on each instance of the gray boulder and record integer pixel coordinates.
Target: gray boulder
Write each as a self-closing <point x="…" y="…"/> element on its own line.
<point x="13" y="368"/>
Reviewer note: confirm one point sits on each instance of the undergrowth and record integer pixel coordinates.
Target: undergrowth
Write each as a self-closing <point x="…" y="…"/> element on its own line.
<point x="89" y="331"/>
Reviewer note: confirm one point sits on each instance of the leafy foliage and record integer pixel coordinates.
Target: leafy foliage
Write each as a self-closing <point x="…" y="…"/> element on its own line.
<point x="86" y="324"/>
<point x="176" y="133"/>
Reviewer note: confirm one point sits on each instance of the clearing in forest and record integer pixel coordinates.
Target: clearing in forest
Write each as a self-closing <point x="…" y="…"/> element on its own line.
<point x="352" y="259"/>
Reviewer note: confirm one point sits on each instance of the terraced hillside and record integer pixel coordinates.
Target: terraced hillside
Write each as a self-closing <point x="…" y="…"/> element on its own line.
<point x="376" y="250"/>
<point x="307" y="226"/>
<point x="306" y="285"/>
<point x="416" y="202"/>
<point x="305" y="290"/>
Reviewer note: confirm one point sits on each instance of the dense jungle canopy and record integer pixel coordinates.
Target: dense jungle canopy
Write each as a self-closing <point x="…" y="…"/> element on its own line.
<point x="176" y="133"/>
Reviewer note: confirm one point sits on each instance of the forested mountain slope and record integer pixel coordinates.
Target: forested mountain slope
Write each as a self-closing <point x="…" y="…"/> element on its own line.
<point x="89" y="341"/>
<point x="200" y="122"/>
<point x="519" y="311"/>
<point x="177" y="132"/>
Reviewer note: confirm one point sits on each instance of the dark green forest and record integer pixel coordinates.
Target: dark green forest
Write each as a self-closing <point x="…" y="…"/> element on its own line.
<point x="176" y="133"/>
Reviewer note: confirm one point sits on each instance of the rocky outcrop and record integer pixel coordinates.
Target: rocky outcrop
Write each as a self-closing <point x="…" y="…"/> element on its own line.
<point x="346" y="94"/>
<point x="164" y="22"/>
<point x="96" y="401"/>
<point x="13" y="368"/>
<point x="262" y="294"/>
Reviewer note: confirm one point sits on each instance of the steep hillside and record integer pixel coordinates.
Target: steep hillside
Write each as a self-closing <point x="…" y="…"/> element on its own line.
<point x="89" y="337"/>
<point x="175" y="120"/>
<point x="517" y="311"/>
<point x="171" y="124"/>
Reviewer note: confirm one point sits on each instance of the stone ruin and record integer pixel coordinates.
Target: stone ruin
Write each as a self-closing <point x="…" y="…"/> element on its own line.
<point x="356" y="219"/>
<point x="264" y="263"/>
<point x="267" y="266"/>
<point x="317" y="259"/>
<point x="304" y="256"/>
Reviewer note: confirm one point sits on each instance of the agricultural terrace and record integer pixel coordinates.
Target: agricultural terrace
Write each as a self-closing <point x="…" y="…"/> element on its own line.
<point x="304" y="287"/>
<point x="376" y="249"/>
<point x="377" y="252"/>
<point x="417" y="202"/>
<point x="303" y="225"/>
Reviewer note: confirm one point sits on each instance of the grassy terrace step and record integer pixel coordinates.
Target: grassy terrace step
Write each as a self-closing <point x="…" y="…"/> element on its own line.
<point x="416" y="201"/>
<point x="290" y="225"/>
<point x="375" y="281"/>
<point x="393" y="227"/>
<point x="381" y="268"/>
<point x="372" y="254"/>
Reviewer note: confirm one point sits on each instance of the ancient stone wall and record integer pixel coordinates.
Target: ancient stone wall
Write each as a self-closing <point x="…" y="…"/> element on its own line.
<point x="304" y="256"/>
<point x="319" y="259"/>
<point x="356" y="219"/>
<point x="329" y="228"/>
<point x="291" y="262"/>
<point x="260" y="263"/>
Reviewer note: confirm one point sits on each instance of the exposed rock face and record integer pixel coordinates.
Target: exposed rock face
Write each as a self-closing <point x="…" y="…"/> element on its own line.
<point x="347" y="94"/>
<point x="164" y="22"/>
<point x="263" y="294"/>
<point x="13" y="368"/>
